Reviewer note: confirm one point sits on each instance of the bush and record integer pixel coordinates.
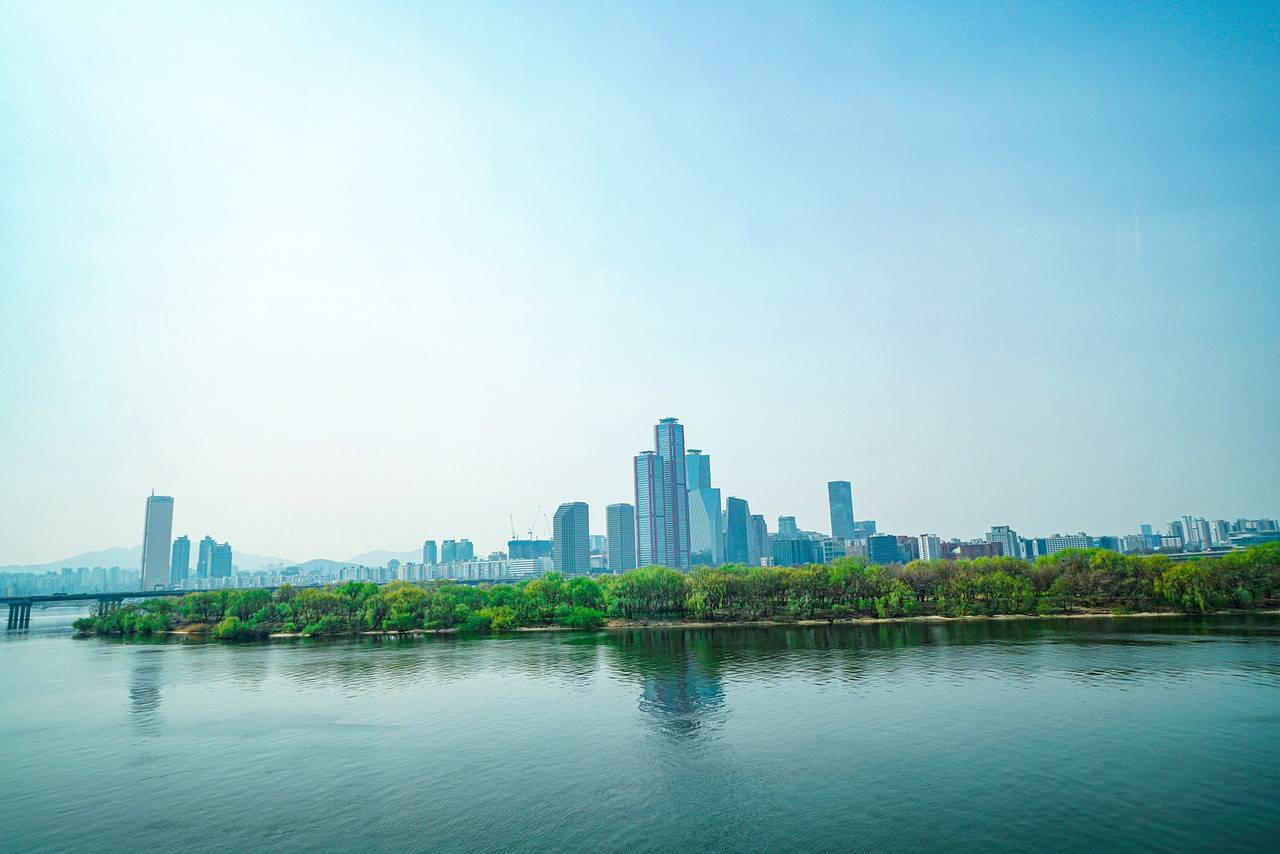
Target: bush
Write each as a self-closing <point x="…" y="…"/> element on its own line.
<point x="580" y="618"/>
<point x="476" y="623"/>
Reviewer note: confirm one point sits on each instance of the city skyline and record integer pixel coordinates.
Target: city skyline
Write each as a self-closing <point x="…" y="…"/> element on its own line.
<point x="322" y="279"/>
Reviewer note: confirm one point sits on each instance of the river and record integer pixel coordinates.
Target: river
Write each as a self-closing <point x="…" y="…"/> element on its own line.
<point x="1017" y="735"/>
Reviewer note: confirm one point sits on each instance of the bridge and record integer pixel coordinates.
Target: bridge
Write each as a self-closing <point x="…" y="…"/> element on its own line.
<point x="20" y="606"/>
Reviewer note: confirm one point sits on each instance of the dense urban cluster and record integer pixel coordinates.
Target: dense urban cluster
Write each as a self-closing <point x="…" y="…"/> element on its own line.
<point x="1075" y="580"/>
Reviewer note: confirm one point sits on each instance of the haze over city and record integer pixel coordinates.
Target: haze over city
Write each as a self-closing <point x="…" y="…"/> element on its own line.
<point x="349" y="280"/>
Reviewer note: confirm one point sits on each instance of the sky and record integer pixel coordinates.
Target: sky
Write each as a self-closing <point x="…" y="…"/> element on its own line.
<point x="349" y="276"/>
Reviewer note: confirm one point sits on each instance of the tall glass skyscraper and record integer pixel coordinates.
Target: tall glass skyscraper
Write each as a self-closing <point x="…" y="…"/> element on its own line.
<point x="572" y="552"/>
<point x="757" y="540"/>
<point x="697" y="470"/>
<point x="221" y="565"/>
<point x="180" y="562"/>
<point x="668" y="441"/>
<point x="737" y="532"/>
<point x="840" y="497"/>
<point x="620" y="543"/>
<point x="204" y="559"/>
<point x="157" y="538"/>
<point x="706" y="525"/>
<point x="651" y="522"/>
<point x="429" y="557"/>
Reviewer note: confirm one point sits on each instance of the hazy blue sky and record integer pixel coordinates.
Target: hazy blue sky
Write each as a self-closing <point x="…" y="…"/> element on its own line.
<point x="347" y="276"/>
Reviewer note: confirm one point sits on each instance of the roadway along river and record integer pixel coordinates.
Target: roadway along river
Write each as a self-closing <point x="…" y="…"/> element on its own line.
<point x="1037" y="735"/>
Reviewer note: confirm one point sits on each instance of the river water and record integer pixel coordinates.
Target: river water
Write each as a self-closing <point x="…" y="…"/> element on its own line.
<point x="1017" y="735"/>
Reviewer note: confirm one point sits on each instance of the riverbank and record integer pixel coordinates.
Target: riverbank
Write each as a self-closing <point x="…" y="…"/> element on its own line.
<point x="923" y="618"/>
<point x="203" y="630"/>
<point x="1071" y="584"/>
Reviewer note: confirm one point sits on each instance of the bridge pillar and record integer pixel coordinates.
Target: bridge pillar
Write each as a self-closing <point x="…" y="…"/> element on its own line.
<point x="19" y="616"/>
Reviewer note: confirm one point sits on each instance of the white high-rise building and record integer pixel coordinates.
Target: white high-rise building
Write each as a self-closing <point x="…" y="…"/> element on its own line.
<point x="1007" y="538"/>
<point x="157" y="539"/>
<point x="930" y="547"/>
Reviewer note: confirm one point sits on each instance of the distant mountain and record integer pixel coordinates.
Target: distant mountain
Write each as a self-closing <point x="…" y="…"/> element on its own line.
<point x="131" y="558"/>
<point x="382" y="557"/>
<point x="118" y="556"/>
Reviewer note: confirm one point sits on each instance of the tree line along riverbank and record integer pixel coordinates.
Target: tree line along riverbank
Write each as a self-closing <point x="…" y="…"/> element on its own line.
<point x="1074" y="581"/>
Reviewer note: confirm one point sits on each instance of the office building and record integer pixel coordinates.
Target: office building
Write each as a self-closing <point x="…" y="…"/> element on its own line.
<point x="529" y="549"/>
<point x="220" y="563"/>
<point x="180" y="561"/>
<point x="620" y="531"/>
<point x="454" y="551"/>
<point x="787" y="527"/>
<point x="794" y="551"/>
<point x="449" y="551"/>
<point x="757" y="540"/>
<point x="697" y="468"/>
<point x="651" y="521"/>
<point x="840" y="499"/>
<point x="429" y="556"/>
<point x="864" y="529"/>
<point x="157" y="540"/>
<point x="883" y="549"/>
<point x="1007" y="538"/>
<point x="572" y="550"/>
<point x="1062" y="542"/>
<point x="598" y="543"/>
<point x="737" y="531"/>
<point x="204" y="558"/>
<point x="706" y="519"/>
<point x="706" y="537"/>
<point x="930" y="547"/>
<point x="668" y="440"/>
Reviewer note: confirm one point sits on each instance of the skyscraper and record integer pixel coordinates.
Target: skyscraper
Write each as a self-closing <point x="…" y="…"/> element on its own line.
<point x="180" y="562"/>
<point x="840" y="499"/>
<point x="572" y="541"/>
<point x="706" y="540"/>
<point x="697" y="469"/>
<point x="651" y="522"/>
<point x="204" y="558"/>
<point x="706" y="525"/>
<point x="466" y="551"/>
<point x="220" y="567"/>
<point x="930" y="547"/>
<point x="157" y="536"/>
<point x="737" y="532"/>
<point x="448" y="551"/>
<point x="429" y="557"/>
<point x="668" y="441"/>
<point x="757" y="540"/>
<point x="787" y="527"/>
<point x="620" y="528"/>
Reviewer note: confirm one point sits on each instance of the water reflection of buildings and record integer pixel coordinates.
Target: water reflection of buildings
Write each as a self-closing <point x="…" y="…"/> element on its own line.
<point x="144" y="691"/>
<point x="681" y="687"/>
